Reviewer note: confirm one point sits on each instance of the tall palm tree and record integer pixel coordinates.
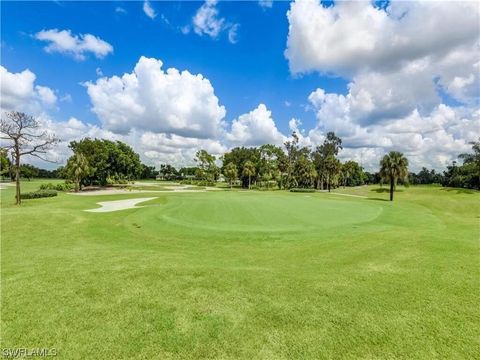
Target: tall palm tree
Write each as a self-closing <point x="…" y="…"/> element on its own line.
<point x="248" y="170"/>
<point x="393" y="167"/>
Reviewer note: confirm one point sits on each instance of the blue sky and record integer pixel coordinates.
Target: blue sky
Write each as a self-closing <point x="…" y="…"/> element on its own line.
<point x="402" y="75"/>
<point x="243" y="74"/>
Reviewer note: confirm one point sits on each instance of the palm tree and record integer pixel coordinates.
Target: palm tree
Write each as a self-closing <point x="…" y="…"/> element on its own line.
<point x="393" y="167"/>
<point x="230" y="173"/>
<point x="248" y="170"/>
<point x="332" y="170"/>
<point x="77" y="169"/>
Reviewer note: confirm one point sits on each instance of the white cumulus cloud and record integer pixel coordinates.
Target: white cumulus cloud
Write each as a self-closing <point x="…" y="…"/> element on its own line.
<point x="254" y="128"/>
<point x="401" y="62"/>
<point x="19" y="92"/>
<point x="431" y="43"/>
<point x="431" y="140"/>
<point x="152" y="99"/>
<point x="63" y="41"/>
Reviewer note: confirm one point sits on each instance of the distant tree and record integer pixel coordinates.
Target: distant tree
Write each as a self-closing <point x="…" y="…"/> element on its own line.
<point x="239" y="156"/>
<point x="4" y="163"/>
<point x="345" y="171"/>
<point x="471" y="166"/>
<point x="24" y="134"/>
<point x="168" y="172"/>
<point x="393" y="167"/>
<point x="148" y="172"/>
<point x="372" y="178"/>
<point x="332" y="171"/>
<point x="230" y="173"/>
<point x="472" y="157"/>
<point x="249" y="171"/>
<point x="110" y="160"/>
<point x="293" y="150"/>
<point x="208" y="170"/>
<point x="270" y="164"/>
<point x="425" y="176"/>
<point x="352" y="174"/>
<point x="77" y="169"/>
<point x="28" y="171"/>
<point x="215" y="172"/>
<point x="305" y="172"/>
<point x="204" y="159"/>
<point x="187" y="172"/>
<point x="324" y="157"/>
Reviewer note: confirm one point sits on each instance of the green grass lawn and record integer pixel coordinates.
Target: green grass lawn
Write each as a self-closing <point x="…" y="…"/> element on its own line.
<point x="250" y="275"/>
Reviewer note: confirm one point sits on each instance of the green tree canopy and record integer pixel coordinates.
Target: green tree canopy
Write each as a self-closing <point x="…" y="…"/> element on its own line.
<point x="109" y="160"/>
<point x="231" y="173"/>
<point x="239" y="156"/>
<point x="324" y="157"/>
<point x="207" y="169"/>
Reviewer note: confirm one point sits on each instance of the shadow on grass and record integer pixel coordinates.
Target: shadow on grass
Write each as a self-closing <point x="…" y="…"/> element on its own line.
<point x="378" y="199"/>
<point x="384" y="190"/>
<point x="460" y="190"/>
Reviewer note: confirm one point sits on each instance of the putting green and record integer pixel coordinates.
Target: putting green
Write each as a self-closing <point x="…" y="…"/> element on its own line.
<point x="251" y="212"/>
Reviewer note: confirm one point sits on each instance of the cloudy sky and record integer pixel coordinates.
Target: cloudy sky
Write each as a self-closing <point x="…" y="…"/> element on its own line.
<point x="170" y="78"/>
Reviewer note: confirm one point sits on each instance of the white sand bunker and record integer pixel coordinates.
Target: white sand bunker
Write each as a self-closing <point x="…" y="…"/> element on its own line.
<point x="116" y="205"/>
<point x="5" y="185"/>
<point x="109" y="192"/>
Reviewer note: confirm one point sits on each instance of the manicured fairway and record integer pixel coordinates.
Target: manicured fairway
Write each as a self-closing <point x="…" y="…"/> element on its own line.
<point x="250" y="275"/>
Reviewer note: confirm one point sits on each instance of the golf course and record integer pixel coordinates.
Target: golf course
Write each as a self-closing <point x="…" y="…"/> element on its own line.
<point x="235" y="274"/>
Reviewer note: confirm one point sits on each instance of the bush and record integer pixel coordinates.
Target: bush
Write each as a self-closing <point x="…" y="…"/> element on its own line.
<point x="38" y="194"/>
<point x="59" y="187"/>
<point x="115" y="180"/>
<point x="63" y="187"/>
<point x="48" y="186"/>
<point x="302" y="190"/>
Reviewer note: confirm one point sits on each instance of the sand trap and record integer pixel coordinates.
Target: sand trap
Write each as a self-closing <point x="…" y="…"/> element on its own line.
<point x="177" y="187"/>
<point x="5" y="185"/>
<point x="117" y="205"/>
<point x="138" y="183"/>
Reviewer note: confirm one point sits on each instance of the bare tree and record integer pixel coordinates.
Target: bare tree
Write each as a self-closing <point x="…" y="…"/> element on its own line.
<point x="24" y="137"/>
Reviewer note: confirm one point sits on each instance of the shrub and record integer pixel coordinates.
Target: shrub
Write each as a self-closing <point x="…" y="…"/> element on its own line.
<point x="110" y="181"/>
<point x="59" y="187"/>
<point x="63" y="187"/>
<point x="38" y="194"/>
<point x="115" y="180"/>
<point x="48" y="186"/>
<point x="302" y="190"/>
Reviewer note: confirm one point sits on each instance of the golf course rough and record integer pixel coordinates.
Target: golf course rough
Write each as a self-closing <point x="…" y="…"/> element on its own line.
<point x="232" y="275"/>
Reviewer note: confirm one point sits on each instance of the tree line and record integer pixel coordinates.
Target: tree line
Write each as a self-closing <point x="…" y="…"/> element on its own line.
<point x="104" y="162"/>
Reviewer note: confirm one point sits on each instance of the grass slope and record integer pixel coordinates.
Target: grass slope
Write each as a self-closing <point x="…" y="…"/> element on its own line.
<point x="268" y="275"/>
